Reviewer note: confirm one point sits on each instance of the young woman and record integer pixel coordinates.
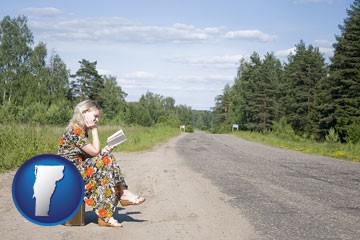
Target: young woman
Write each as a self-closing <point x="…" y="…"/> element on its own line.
<point x="105" y="185"/>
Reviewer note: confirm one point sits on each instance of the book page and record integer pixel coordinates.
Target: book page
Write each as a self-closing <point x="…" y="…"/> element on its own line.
<point x="116" y="139"/>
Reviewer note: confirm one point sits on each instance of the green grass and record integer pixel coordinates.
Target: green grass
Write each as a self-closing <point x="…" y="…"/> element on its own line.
<point x="337" y="150"/>
<point x="139" y="138"/>
<point x="21" y="142"/>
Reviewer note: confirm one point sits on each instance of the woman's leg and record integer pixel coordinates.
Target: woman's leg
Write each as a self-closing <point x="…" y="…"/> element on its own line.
<point x="100" y="187"/>
<point x="125" y="196"/>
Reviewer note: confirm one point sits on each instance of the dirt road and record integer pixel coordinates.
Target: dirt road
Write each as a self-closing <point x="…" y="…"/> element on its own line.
<point x="181" y="204"/>
<point x="284" y="194"/>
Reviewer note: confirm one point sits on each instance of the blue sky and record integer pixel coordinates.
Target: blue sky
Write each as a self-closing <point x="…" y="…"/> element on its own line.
<point x="185" y="49"/>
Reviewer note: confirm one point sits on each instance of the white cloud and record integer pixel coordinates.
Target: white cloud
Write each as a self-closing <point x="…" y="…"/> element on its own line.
<point x="325" y="47"/>
<point x="213" y="30"/>
<point x="327" y="51"/>
<point x="104" y="71"/>
<point x="119" y="29"/>
<point x="285" y="52"/>
<point x="322" y="42"/>
<point x="224" y="61"/>
<point x="146" y="80"/>
<point x="42" y="12"/>
<point x="250" y="35"/>
<point x="197" y="91"/>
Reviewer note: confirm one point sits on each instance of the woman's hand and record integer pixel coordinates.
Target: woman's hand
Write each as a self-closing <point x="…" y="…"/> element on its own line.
<point x="90" y="120"/>
<point x="107" y="149"/>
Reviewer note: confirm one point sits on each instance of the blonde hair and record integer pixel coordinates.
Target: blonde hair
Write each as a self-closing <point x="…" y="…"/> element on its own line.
<point x="77" y="119"/>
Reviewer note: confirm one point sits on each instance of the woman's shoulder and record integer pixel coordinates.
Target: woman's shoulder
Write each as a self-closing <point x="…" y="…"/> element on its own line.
<point x="75" y="127"/>
<point x="75" y="130"/>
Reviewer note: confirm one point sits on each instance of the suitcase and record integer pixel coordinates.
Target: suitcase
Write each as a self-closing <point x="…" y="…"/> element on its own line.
<point x="78" y="219"/>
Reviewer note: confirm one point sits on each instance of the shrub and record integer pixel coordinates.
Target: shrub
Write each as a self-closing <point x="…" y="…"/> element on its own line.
<point x="283" y="129"/>
<point x="7" y="113"/>
<point x="189" y="129"/>
<point x="58" y="114"/>
<point x="353" y="133"/>
<point x="332" y="136"/>
<point x="225" y="128"/>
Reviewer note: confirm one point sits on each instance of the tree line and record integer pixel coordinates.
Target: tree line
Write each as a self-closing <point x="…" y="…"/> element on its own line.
<point x="40" y="89"/>
<point x="305" y="93"/>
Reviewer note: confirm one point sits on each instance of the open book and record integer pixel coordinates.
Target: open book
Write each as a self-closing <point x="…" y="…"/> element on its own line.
<point x="116" y="139"/>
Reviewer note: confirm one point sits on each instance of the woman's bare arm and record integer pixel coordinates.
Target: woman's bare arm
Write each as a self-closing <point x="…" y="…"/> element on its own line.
<point x="93" y="149"/>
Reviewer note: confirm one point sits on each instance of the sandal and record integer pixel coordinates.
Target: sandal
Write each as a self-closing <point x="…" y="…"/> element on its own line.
<point x="112" y="223"/>
<point x="136" y="200"/>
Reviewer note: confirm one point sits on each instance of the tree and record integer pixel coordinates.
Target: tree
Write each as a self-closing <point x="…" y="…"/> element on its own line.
<point x="170" y="118"/>
<point x="88" y="83"/>
<point x="57" y="84"/>
<point x="169" y="104"/>
<point x="221" y="109"/>
<point x="184" y="114"/>
<point x="153" y="103"/>
<point x="113" y="98"/>
<point x="15" y="51"/>
<point x="202" y="119"/>
<point x="255" y="95"/>
<point x="33" y="78"/>
<point x="246" y="86"/>
<point x="303" y="73"/>
<point x="136" y="113"/>
<point x="32" y="89"/>
<point x="267" y="93"/>
<point x="341" y="107"/>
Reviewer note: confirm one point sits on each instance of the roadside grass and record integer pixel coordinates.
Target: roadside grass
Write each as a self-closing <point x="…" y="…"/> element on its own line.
<point x="19" y="142"/>
<point x="139" y="138"/>
<point x="336" y="150"/>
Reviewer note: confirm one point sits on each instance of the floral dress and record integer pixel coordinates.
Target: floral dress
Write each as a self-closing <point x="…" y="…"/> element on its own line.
<point x="102" y="176"/>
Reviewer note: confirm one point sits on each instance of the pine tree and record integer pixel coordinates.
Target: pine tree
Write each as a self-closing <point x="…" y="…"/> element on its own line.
<point x="255" y="95"/>
<point x="268" y="91"/>
<point x="244" y="102"/>
<point x="221" y="108"/>
<point x="303" y="73"/>
<point x="342" y="107"/>
<point x="88" y="83"/>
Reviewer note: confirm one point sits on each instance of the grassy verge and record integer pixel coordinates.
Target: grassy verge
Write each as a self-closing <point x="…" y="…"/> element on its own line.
<point x="139" y="138"/>
<point x="336" y="150"/>
<point x="21" y="142"/>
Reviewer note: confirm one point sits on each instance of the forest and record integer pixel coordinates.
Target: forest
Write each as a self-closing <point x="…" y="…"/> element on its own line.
<point x="307" y="95"/>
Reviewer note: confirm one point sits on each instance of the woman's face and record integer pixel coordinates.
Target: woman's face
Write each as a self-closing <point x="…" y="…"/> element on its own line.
<point x="94" y="114"/>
